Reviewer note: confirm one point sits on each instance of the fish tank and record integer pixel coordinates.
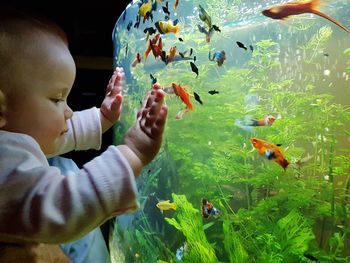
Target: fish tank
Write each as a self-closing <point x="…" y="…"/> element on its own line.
<point x="255" y="161"/>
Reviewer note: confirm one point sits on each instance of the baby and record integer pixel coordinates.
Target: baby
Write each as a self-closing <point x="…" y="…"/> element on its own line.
<point x="38" y="205"/>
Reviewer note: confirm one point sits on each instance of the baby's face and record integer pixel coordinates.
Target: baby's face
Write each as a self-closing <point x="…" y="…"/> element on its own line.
<point x="42" y="81"/>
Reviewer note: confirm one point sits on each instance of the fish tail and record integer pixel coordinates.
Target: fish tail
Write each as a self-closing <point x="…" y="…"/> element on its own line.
<point x="315" y="9"/>
<point x="284" y="163"/>
<point x="176" y="29"/>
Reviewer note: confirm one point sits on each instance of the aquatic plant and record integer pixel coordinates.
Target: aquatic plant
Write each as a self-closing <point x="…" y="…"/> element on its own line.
<point x="188" y="221"/>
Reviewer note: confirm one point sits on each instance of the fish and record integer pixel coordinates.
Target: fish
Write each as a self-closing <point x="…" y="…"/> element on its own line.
<point x="241" y="45"/>
<point x="212" y="92"/>
<point x="208" y="209"/>
<point x="283" y="11"/>
<point x="180" y="39"/>
<point x="166" y="9"/>
<point x="172" y="53"/>
<point x="153" y="42"/>
<point x="176" y="4"/>
<point x="194" y="59"/>
<point x="150" y="30"/>
<point x="157" y="49"/>
<point x="136" y="61"/>
<point x="128" y="27"/>
<point x="303" y="160"/>
<point x="203" y="15"/>
<point x="181" y="251"/>
<point x="166" y="205"/>
<point x="271" y="151"/>
<point x="216" y="28"/>
<point x="183" y="94"/>
<point x="267" y="120"/>
<point x="165" y="27"/>
<point x="197" y="98"/>
<point x="181" y="113"/>
<point x="194" y="68"/>
<point x="251" y="48"/>
<point x="219" y="57"/>
<point x="208" y="33"/>
<point x="124" y="15"/>
<point x="137" y="24"/>
<point x="145" y="9"/>
<point x="154" y="80"/>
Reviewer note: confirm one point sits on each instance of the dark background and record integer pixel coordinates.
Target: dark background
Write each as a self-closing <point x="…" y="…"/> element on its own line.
<point x="89" y="26"/>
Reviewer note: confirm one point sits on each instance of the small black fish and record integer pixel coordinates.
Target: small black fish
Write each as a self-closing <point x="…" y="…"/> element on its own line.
<point x="251" y="48"/>
<point x="326" y="54"/>
<point x="241" y="45"/>
<point x="311" y="257"/>
<point x="150" y="30"/>
<point x="126" y="49"/>
<point x="175" y="22"/>
<point x="182" y="54"/>
<point x="124" y="15"/>
<point x="180" y="39"/>
<point x="129" y="26"/>
<point x="191" y="51"/>
<point x="194" y="68"/>
<point x="194" y="59"/>
<point x="197" y="98"/>
<point x="216" y="28"/>
<point x="154" y="80"/>
<point x="165" y="9"/>
<point x="212" y="92"/>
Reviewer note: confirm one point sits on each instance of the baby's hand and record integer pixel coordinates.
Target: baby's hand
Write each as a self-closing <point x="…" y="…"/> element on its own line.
<point x="145" y="137"/>
<point x="111" y="106"/>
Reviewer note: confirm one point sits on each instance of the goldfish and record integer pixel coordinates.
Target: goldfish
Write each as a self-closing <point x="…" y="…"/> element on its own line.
<point x="208" y="209"/>
<point x="137" y="60"/>
<point x="271" y="151"/>
<point x="181" y="113"/>
<point x="296" y="8"/>
<point x="165" y="27"/>
<point x="166" y="205"/>
<point x="219" y="57"/>
<point x="183" y="94"/>
<point x="208" y="33"/>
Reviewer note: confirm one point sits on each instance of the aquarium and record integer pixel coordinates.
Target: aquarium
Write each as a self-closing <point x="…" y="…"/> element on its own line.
<point x="255" y="162"/>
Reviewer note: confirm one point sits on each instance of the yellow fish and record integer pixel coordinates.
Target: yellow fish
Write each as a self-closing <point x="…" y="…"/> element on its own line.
<point x="165" y="27"/>
<point x="145" y="9"/>
<point x="166" y="205"/>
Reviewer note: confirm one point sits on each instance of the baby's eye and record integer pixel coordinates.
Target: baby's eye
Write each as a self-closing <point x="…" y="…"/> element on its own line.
<point x="55" y="100"/>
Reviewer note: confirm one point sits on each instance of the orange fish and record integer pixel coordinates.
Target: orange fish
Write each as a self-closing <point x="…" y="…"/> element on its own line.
<point x="183" y="94"/>
<point x="137" y="60"/>
<point x="176" y="4"/>
<point x="171" y="55"/>
<point x="271" y="151"/>
<point x="266" y="121"/>
<point x="297" y="8"/>
<point x="152" y="42"/>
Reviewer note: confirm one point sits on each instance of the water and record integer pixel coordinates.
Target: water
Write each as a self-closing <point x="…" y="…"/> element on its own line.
<point x="295" y="71"/>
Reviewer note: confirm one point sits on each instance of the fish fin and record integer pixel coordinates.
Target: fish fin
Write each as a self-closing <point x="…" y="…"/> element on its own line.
<point x="316" y="11"/>
<point x="177" y="28"/>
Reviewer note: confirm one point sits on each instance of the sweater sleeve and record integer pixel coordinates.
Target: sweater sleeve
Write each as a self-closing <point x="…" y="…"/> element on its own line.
<point x="38" y="204"/>
<point x="84" y="132"/>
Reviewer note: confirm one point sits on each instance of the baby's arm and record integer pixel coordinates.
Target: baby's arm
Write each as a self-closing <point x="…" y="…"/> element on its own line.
<point x="142" y="142"/>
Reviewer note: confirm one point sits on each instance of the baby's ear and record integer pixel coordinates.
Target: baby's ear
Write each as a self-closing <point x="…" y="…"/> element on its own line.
<point x="2" y="109"/>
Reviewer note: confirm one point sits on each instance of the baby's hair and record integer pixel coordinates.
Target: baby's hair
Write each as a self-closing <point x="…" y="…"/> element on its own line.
<point x="15" y="21"/>
<point x="19" y="29"/>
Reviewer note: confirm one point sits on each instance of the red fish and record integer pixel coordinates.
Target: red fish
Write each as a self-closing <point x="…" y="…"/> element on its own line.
<point x="296" y="8"/>
<point x="208" y="209"/>
<point x="183" y="94"/>
<point x="152" y="43"/>
<point x="137" y="60"/>
<point x="271" y="151"/>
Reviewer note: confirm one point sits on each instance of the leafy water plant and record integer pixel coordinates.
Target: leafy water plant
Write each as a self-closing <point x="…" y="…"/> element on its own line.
<point x="188" y="221"/>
